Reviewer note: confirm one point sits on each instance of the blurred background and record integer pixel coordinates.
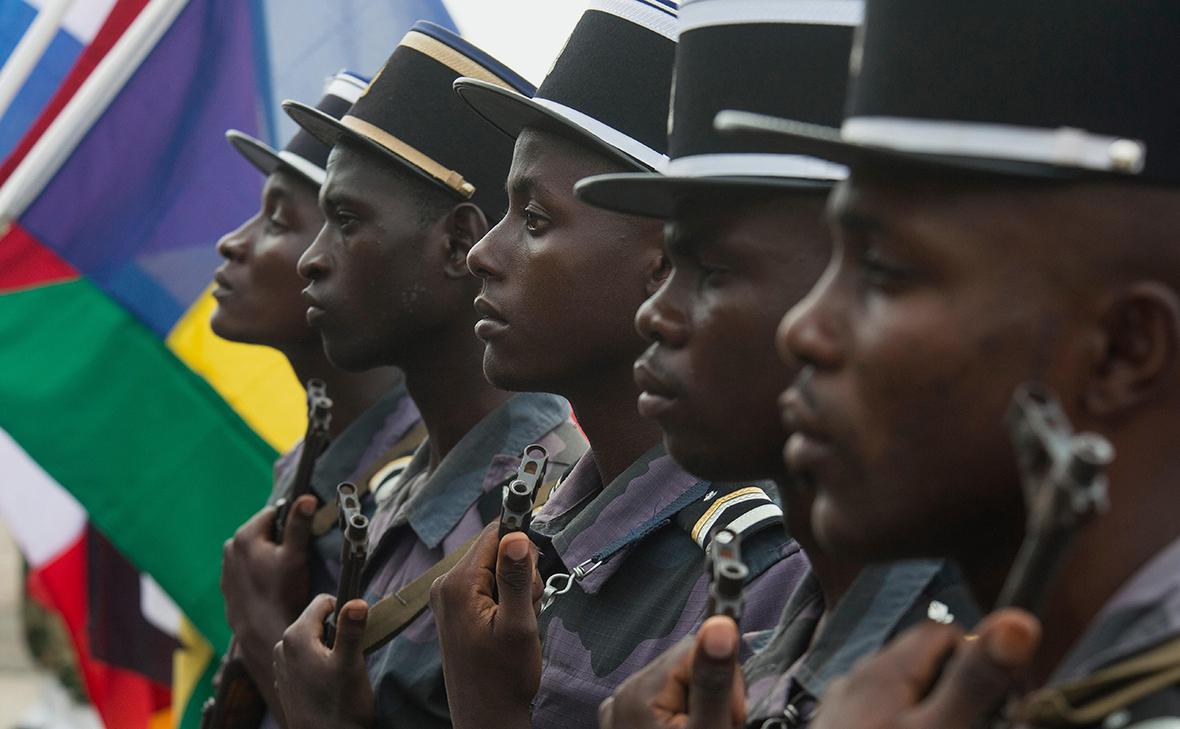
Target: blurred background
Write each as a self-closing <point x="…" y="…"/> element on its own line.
<point x="132" y="440"/>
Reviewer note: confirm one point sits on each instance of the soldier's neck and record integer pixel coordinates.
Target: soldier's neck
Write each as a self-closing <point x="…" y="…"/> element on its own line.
<point x="445" y="378"/>
<point x="605" y="406"/>
<point x="1140" y="524"/>
<point x="352" y="393"/>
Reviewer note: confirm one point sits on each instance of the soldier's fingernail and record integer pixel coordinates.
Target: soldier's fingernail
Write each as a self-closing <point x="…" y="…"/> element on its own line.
<point x="355" y="612"/>
<point x="719" y="643"/>
<point x="1010" y="644"/>
<point x="517" y="549"/>
<point x="307" y="507"/>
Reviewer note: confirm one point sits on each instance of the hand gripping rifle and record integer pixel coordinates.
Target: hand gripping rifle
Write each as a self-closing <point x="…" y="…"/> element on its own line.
<point x="354" y="527"/>
<point x="521" y="492"/>
<point x="236" y="701"/>
<point x="727" y="575"/>
<point x="1064" y="479"/>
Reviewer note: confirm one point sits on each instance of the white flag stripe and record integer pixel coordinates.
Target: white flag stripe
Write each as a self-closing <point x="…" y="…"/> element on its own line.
<point x="157" y="607"/>
<point x="43" y="517"/>
<point x="84" y="19"/>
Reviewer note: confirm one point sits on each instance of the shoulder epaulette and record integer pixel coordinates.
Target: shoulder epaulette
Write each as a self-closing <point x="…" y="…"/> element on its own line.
<point x="743" y="508"/>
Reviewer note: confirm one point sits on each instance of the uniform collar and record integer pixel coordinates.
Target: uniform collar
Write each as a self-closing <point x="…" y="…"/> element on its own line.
<point x="582" y="518"/>
<point x="1143" y="613"/>
<point x="871" y="611"/>
<point x="484" y="457"/>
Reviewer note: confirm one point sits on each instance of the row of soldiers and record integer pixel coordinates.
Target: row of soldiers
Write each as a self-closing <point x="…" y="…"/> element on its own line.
<point x="836" y="280"/>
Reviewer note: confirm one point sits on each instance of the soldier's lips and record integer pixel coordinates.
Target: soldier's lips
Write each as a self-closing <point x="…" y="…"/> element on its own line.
<point x="808" y="447"/>
<point x="491" y="322"/>
<point x="657" y="395"/>
<point x="223" y="288"/>
<point x="315" y="310"/>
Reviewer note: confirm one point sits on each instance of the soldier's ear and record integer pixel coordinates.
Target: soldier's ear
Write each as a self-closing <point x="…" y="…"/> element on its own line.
<point x="1141" y="328"/>
<point x="465" y="226"/>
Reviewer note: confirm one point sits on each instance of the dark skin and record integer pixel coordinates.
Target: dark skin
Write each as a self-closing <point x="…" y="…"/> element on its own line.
<point x="387" y="288"/>
<point x="258" y="302"/>
<point x="738" y="265"/>
<point x="942" y="296"/>
<point x="561" y="284"/>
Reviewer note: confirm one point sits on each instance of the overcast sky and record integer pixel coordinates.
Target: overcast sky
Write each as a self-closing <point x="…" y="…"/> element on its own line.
<point x="525" y="34"/>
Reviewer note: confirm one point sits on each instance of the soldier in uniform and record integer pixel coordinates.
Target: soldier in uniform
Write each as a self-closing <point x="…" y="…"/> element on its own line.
<point x="622" y="539"/>
<point x="993" y="234"/>
<point x="413" y="179"/>
<point x="266" y="585"/>
<point x="746" y="239"/>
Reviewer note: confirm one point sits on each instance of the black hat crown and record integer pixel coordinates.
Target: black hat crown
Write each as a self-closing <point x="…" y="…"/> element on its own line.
<point x="1042" y="88"/>
<point x="607" y="89"/>
<point x="782" y="58"/>
<point x="409" y="114"/>
<point x="304" y="154"/>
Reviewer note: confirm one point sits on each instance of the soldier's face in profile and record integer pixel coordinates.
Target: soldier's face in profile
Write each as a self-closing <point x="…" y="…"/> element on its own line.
<point x="561" y="279"/>
<point x="370" y="293"/>
<point x="258" y="286"/>
<point x="710" y="376"/>
<point x="934" y="307"/>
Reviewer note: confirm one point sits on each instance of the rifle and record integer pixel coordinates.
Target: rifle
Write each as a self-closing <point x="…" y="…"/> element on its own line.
<point x="319" y="418"/>
<point x="727" y="575"/>
<point x="354" y="526"/>
<point x="1064" y="480"/>
<point x="236" y="702"/>
<point x="521" y="492"/>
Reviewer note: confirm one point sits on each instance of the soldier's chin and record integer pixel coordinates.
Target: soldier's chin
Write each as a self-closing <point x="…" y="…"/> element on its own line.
<point x="347" y="356"/>
<point x="228" y="328"/>
<point x="506" y="374"/>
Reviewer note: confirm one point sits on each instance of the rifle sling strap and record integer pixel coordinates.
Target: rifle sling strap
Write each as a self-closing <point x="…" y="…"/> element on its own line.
<point x="390" y="615"/>
<point x="1096" y="696"/>
<point x="394" y="460"/>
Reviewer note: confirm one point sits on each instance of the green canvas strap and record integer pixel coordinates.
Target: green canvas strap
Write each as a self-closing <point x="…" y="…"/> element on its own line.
<point x="1098" y="695"/>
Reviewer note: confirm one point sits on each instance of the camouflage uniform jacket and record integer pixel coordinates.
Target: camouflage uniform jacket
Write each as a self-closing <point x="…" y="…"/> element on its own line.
<point x="626" y="609"/>
<point x="1142" y="614"/>
<point x="444" y="510"/>
<point x="387" y="430"/>
<point x="794" y="666"/>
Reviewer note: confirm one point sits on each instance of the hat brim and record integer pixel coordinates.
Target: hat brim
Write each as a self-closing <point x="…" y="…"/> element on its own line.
<point x="657" y="196"/>
<point x="331" y="132"/>
<point x="511" y="112"/>
<point x="774" y="134"/>
<point x="257" y="152"/>
<point x="268" y="160"/>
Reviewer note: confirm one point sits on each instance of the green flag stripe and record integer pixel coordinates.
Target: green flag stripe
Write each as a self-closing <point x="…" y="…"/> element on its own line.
<point x="161" y="463"/>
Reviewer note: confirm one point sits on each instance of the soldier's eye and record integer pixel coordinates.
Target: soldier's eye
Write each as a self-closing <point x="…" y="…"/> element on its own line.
<point x="535" y="222"/>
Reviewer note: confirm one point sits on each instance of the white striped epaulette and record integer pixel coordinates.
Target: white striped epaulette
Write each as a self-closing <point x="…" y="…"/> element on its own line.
<point x="743" y="508"/>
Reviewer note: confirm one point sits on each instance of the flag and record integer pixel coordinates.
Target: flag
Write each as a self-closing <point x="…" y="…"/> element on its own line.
<point x="50" y="527"/>
<point x="110" y="378"/>
<point x="79" y="27"/>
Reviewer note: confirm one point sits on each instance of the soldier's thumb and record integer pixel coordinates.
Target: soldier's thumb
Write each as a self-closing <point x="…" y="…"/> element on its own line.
<point x="350" y="629"/>
<point x="515" y="574"/>
<point x="715" y="697"/>
<point x="297" y="532"/>
<point x="985" y="670"/>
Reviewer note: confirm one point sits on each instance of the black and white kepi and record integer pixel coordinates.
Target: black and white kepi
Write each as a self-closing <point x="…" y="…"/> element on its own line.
<point x="410" y="114"/>
<point x="608" y="88"/>
<point x="1034" y="88"/>
<point x="782" y="58"/>
<point x="304" y="154"/>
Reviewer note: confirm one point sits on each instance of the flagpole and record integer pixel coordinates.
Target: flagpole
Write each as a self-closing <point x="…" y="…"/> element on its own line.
<point x="89" y="103"/>
<point x="30" y="49"/>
